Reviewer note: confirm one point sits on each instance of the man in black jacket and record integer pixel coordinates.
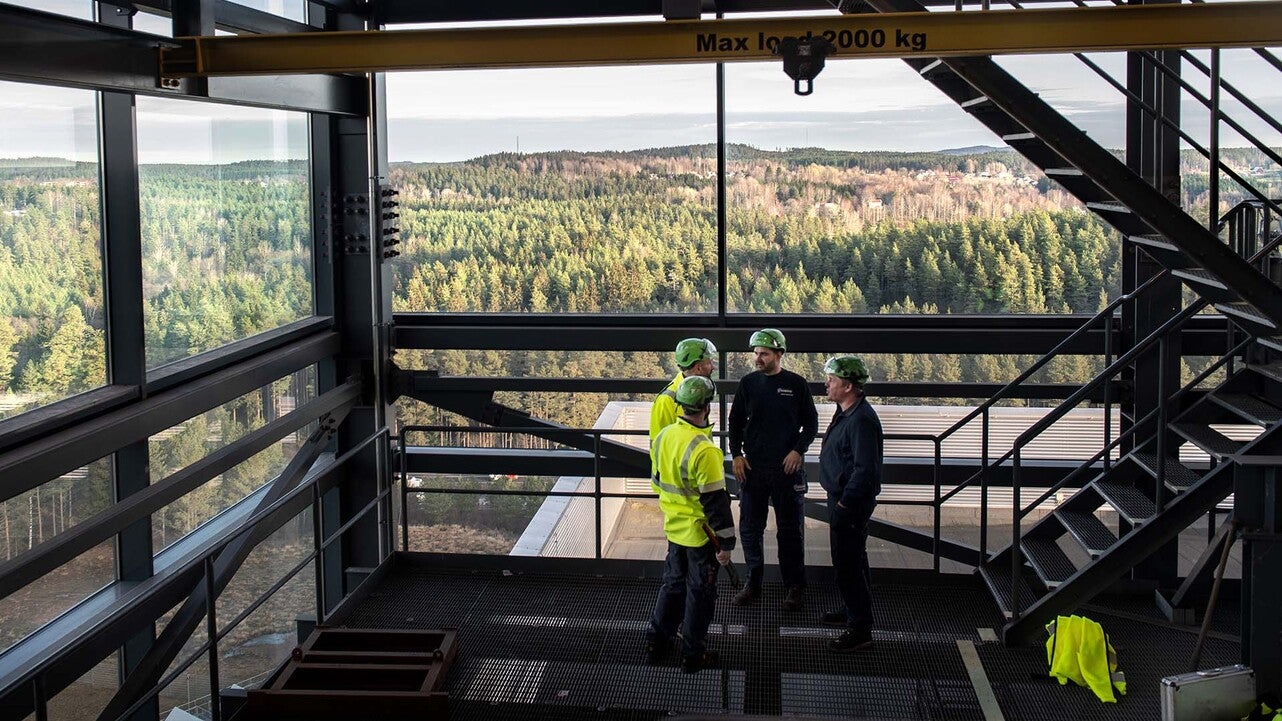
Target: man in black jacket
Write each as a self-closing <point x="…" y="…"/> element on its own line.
<point x="850" y="471"/>
<point x="772" y="423"/>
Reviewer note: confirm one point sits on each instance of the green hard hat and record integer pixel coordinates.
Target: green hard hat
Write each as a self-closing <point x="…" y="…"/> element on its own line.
<point x="768" y="338"/>
<point x="850" y="367"/>
<point x="693" y="350"/>
<point x="695" y="393"/>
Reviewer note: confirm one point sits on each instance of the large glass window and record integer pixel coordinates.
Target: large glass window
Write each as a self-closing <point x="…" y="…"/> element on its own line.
<point x="579" y="190"/>
<point x="226" y="229"/>
<point x="51" y="302"/>
<point x="197" y="437"/>
<point x="878" y="194"/>
<point x="35" y="517"/>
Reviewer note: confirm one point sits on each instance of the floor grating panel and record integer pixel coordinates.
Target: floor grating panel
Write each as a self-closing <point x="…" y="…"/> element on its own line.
<point x="565" y="646"/>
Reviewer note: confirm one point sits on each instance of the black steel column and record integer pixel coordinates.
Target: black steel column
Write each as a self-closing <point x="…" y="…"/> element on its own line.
<point x="354" y="285"/>
<point x="191" y="18"/>
<point x="1153" y="151"/>
<point x="125" y="336"/>
<point x="1257" y="507"/>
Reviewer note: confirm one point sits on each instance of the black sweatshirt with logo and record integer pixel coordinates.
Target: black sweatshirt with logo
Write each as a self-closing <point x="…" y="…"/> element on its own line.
<point x="771" y="416"/>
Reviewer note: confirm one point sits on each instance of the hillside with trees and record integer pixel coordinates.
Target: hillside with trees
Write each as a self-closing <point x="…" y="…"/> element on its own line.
<point x="226" y="253"/>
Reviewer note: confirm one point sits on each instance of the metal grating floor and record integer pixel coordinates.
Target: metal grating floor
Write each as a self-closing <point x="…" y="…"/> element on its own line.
<point x="542" y="645"/>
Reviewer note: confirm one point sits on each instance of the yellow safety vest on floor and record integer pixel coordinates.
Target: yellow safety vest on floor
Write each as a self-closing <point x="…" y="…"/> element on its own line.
<point x="1263" y="711"/>
<point x="1079" y="651"/>
<point x="685" y="464"/>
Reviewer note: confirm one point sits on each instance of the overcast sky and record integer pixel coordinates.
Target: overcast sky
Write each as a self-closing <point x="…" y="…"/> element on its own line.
<point x="456" y="115"/>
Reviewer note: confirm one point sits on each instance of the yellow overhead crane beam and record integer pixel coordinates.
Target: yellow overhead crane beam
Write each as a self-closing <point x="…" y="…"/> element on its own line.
<point x="928" y="34"/>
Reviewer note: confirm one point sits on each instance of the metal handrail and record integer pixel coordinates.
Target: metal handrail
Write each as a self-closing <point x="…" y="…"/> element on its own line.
<point x="206" y="560"/>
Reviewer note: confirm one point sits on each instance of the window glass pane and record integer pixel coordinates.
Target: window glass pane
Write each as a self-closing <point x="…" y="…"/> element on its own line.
<point x="197" y="437"/>
<point x="85" y="699"/>
<point x="256" y="647"/>
<point x="35" y="517"/>
<point x="187" y="696"/>
<point x="880" y="195"/>
<point x="154" y="24"/>
<point x="51" y="307"/>
<point x="49" y="597"/>
<point x="292" y="9"/>
<point x="82" y="9"/>
<point x="583" y="190"/>
<point x="226" y="230"/>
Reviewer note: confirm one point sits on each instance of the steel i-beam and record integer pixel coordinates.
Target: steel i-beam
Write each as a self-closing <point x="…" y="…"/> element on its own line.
<point x="923" y="34"/>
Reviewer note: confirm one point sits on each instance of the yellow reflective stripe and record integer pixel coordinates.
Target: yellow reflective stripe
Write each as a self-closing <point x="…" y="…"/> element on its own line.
<point x="670" y="394"/>
<point x="685" y="459"/>
<point x="654" y="461"/>
<point x="710" y="487"/>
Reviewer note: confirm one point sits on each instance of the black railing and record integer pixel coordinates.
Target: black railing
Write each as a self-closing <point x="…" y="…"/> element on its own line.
<point x="597" y="494"/>
<point x="216" y="632"/>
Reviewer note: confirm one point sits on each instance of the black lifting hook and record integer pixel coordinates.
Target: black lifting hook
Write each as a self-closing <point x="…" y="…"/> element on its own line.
<point x="803" y="59"/>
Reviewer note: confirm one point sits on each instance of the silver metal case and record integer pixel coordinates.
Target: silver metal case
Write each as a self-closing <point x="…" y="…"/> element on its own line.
<point x="1217" y="694"/>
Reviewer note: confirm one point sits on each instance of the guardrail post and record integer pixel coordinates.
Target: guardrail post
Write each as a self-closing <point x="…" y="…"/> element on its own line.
<point x="1016" y="557"/>
<point x="211" y="626"/>
<point x="939" y="507"/>
<point x="596" y="494"/>
<point x="983" y="489"/>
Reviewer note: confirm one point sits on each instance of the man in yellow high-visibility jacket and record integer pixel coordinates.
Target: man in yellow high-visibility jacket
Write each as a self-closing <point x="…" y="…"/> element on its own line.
<point x="688" y="473"/>
<point x="695" y="357"/>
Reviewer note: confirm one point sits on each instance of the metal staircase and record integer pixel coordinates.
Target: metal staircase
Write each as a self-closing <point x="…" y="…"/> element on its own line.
<point x="1153" y="493"/>
<point x="1101" y="181"/>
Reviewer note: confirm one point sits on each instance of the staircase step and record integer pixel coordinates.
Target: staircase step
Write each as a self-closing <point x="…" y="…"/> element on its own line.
<point x="1129" y="501"/>
<point x="1246" y="312"/>
<point x="976" y="102"/>
<point x="1178" y="475"/>
<point x="1063" y="172"/>
<point x="1088" y="530"/>
<point x="936" y="64"/>
<point x="1272" y="371"/>
<point x="1048" y="560"/>
<point x="1018" y="137"/>
<point x="1154" y="241"/>
<point x="1208" y="439"/>
<point x="1199" y="277"/>
<point x="1254" y="409"/>
<point x="997" y="575"/>
<point x="1270" y="341"/>
<point x="1109" y="208"/>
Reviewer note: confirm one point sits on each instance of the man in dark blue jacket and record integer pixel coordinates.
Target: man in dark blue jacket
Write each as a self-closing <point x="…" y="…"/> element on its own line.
<point x="850" y="471"/>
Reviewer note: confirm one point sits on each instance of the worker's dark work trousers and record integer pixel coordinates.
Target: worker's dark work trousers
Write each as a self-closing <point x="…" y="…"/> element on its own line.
<point x="688" y="596"/>
<point x="848" y="536"/>
<point x="787" y="493"/>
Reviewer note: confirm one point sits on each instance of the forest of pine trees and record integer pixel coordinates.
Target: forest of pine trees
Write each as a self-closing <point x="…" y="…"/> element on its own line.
<point x="226" y="254"/>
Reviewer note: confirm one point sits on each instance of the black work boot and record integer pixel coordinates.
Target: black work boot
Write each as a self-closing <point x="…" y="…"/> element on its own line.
<point x="834" y="618"/>
<point x="655" y="649"/>
<point x="694" y="663"/>
<point x="795" y="600"/>
<point x="850" y="641"/>
<point x="748" y="595"/>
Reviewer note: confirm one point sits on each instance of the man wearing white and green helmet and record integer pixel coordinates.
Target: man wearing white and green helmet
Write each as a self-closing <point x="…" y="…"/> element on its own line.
<point x="772" y="423"/>
<point x="695" y="357"/>
<point x="850" y="464"/>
